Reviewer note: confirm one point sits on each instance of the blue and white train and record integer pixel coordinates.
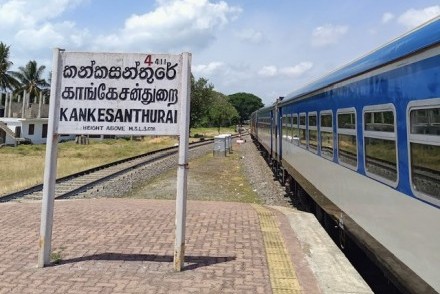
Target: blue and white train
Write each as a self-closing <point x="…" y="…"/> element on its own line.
<point x="360" y="148"/>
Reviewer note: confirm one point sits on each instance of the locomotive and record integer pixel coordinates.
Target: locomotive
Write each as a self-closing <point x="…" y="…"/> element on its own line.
<point x="360" y="148"/>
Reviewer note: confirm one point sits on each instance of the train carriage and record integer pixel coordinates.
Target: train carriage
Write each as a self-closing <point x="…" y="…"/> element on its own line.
<point x="364" y="144"/>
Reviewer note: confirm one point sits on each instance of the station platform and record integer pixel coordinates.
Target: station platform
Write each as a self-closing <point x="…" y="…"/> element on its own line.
<point x="127" y="245"/>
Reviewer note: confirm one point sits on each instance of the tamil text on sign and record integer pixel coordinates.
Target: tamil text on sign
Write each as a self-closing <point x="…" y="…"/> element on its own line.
<point x="119" y="94"/>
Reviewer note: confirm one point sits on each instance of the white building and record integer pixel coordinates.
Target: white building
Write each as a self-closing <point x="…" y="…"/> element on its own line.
<point x="24" y="122"/>
<point x="25" y="130"/>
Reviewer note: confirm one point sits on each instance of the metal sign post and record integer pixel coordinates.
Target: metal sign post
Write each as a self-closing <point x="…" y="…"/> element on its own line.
<point x="117" y="94"/>
<point x="179" y="245"/>
<point x="50" y="167"/>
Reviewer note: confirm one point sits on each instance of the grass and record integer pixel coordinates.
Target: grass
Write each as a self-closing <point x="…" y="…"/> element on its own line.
<point x="23" y="166"/>
<point x="209" y="178"/>
<point x="211" y="132"/>
<point x="55" y="256"/>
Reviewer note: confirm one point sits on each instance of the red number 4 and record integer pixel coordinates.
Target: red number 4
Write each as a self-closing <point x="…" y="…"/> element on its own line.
<point x="148" y="60"/>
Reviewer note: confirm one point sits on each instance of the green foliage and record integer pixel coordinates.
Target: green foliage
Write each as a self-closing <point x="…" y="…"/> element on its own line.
<point x="221" y="113"/>
<point x="28" y="78"/>
<point x="208" y="107"/>
<point x="31" y="79"/>
<point x="201" y="97"/>
<point x="55" y="256"/>
<point x="7" y="81"/>
<point x="245" y="103"/>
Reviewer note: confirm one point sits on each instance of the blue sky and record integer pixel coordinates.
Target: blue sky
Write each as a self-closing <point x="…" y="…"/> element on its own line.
<point x="268" y="48"/>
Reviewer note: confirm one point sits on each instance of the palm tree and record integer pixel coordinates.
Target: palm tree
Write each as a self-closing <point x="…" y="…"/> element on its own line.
<point x="31" y="79"/>
<point x="7" y="81"/>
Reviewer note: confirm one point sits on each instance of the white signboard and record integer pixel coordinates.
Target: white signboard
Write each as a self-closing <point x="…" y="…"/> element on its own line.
<point x="108" y="93"/>
<point x="119" y="94"/>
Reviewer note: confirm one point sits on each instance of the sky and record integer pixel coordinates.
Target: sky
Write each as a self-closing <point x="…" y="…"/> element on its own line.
<point x="266" y="48"/>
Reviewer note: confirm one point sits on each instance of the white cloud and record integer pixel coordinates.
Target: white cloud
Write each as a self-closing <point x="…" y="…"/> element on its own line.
<point x="297" y="70"/>
<point x="13" y="13"/>
<point x="291" y="71"/>
<point x="250" y="35"/>
<point x="387" y="17"/>
<point x="20" y="13"/>
<point x="327" y="34"/>
<point x="413" y="17"/>
<point x="30" y="26"/>
<point x="268" y="71"/>
<point x="173" y="24"/>
<point x="208" y="69"/>
<point x="50" y="35"/>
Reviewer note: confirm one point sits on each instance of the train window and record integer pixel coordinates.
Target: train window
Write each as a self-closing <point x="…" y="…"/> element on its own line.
<point x="264" y="125"/>
<point x="285" y="127"/>
<point x="425" y="121"/>
<point x="313" y="132"/>
<point x="347" y="140"/>
<point x="380" y="143"/>
<point x="424" y="144"/>
<point x="382" y="121"/>
<point x="268" y="125"/>
<point x="326" y="134"/>
<point x="295" y="129"/>
<point x="302" y="130"/>
<point x="347" y="120"/>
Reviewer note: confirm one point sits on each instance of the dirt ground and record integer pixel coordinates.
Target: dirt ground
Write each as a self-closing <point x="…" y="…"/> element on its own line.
<point x="217" y="178"/>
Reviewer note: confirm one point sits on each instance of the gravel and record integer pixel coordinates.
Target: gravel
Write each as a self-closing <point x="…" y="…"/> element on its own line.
<point x="254" y="169"/>
<point x="260" y="176"/>
<point x="121" y="186"/>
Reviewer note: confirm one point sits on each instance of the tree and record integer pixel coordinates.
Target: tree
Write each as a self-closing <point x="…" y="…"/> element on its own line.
<point x="221" y="113"/>
<point x="7" y="80"/>
<point x="245" y="104"/>
<point x="31" y="79"/>
<point x="201" y="96"/>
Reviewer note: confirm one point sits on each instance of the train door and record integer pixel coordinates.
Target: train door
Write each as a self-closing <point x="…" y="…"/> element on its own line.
<point x="274" y="136"/>
<point x="280" y="134"/>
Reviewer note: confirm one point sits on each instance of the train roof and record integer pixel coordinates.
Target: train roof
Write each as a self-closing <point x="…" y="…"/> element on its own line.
<point x="418" y="39"/>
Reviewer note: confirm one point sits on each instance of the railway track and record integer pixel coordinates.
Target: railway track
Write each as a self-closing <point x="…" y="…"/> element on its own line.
<point x="86" y="180"/>
<point x="430" y="178"/>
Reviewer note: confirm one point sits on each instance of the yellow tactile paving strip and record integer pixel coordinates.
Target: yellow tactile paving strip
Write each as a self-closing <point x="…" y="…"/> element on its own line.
<point x="281" y="270"/>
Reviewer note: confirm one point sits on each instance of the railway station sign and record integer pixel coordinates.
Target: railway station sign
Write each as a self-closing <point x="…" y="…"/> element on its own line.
<point x="119" y="94"/>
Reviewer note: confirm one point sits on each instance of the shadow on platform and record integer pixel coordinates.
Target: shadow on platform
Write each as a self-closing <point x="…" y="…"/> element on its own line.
<point x="195" y="261"/>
